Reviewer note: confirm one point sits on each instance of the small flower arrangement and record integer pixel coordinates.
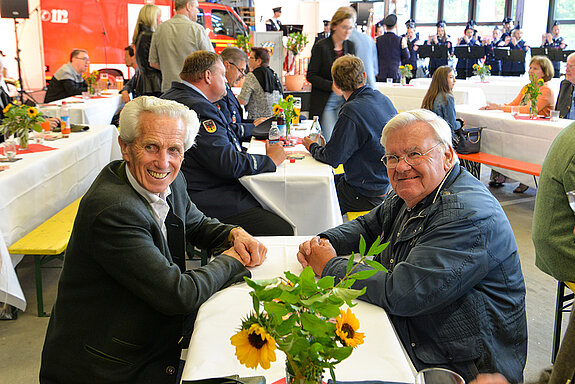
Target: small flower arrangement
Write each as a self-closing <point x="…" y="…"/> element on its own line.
<point x="285" y="106"/>
<point x="92" y="80"/>
<point x="295" y="44"/>
<point x="405" y="70"/>
<point x="303" y="318"/>
<point x="243" y="43"/>
<point x="531" y="91"/>
<point x="19" y="119"/>
<point x="482" y="71"/>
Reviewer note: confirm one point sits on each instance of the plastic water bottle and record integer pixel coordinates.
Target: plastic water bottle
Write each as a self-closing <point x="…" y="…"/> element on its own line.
<point x="274" y="133"/>
<point x="65" y="117"/>
<point x="281" y="121"/>
<point x="315" y="131"/>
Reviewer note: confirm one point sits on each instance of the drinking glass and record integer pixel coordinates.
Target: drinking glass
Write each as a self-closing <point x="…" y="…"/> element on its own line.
<point x="554" y="116"/>
<point x="119" y="83"/>
<point x="570" y="196"/>
<point x="389" y="80"/>
<point x="296" y="110"/>
<point x="438" y="376"/>
<point x="104" y="80"/>
<point x="10" y="149"/>
<point x="514" y="110"/>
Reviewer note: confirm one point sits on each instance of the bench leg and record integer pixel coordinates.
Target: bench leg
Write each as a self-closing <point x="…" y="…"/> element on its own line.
<point x="39" y="293"/>
<point x="535" y="179"/>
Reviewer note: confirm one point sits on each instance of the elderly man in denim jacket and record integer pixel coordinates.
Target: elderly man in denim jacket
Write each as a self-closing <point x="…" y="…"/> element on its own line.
<point x="454" y="292"/>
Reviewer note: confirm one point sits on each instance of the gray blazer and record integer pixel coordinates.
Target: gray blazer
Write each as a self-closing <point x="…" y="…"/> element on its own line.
<point x="563" y="104"/>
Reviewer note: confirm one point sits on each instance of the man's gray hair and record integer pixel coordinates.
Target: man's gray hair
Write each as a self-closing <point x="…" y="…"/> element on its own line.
<point x="404" y="119"/>
<point x="233" y="55"/>
<point x="179" y="4"/>
<point x="130" y="117"/>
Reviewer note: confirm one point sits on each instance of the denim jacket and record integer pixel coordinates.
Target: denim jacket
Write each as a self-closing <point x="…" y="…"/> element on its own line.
<point x="446" y="110"/>
<point x="454" y="292"/>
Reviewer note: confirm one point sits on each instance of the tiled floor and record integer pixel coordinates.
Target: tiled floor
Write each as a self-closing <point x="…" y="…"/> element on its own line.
<point x="21" y="340"/>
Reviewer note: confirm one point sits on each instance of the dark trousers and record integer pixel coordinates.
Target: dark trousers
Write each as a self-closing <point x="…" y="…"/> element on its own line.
<point x="259" y="222"/>
<point x="352" y="201"/>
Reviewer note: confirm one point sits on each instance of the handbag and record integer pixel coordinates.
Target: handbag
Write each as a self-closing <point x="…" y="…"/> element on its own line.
<point x="467" y="140"/>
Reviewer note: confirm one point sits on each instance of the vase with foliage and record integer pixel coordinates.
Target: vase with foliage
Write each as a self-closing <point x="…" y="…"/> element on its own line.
<point x="19" y="120"/>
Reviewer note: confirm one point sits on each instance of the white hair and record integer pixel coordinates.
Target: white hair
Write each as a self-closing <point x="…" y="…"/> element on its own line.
<point x="130" y="117"/>
<point x="402" y="120"/>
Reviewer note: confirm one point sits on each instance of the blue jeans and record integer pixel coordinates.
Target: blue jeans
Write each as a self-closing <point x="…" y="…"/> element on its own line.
<point x="330" y="114"/>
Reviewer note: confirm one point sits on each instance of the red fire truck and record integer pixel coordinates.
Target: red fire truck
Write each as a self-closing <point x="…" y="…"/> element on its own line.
<point x="105" y="27"/>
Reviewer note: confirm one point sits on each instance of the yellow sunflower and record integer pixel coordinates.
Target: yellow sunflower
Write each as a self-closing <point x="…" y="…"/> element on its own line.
<point x="540" y="82"/>
<point x="5" y="110"/>
<point x="401" y="67"/>
<point x="524" y="90"/>
<point x="289" y="97"/>
<point x="489" y="66"/>
<point x="254" y="346"/>
<point x="276" y="109"/>
<point x="475" y="66"/>
<point x="409" y="66"/>
<point x="32" y="112"/>
<point x="346" y="326"/>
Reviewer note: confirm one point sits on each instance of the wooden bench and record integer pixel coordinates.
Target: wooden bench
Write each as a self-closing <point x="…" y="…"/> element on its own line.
<point x="504" y="162"/>
<point x="47" y="242"/>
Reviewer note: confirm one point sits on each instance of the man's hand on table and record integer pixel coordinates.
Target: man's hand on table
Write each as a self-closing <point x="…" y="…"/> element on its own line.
<point x="316" y="253"/>
<point x="276" y="152"/>
<point x="307" y="142"/>
<point x="259" y="120"/>
<point x="54" y="122"/>
<point x="125" y="97"/>
<point x="251" y="251"/>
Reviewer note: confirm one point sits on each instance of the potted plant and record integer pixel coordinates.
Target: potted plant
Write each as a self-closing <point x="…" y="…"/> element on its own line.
<point x="243" y="43"/>
<point x="296" y="43"/>
<point x="18" y="121"/>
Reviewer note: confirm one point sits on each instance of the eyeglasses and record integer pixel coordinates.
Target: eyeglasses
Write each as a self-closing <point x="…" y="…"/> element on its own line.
<point x="412" y="158"/>
<point x="242" y="71"/>
<point x="82" y="58"/>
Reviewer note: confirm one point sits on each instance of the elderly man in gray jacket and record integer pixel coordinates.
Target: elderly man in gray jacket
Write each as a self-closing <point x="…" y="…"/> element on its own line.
<point x="454" y="292"/>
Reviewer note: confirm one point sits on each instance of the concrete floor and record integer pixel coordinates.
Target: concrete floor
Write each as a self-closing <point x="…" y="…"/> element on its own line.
<point x="21" y="340"/>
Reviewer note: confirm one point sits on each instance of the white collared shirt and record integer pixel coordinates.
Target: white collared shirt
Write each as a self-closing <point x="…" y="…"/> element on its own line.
<point x="159" y="205"/>
<point x="195" y="88"/>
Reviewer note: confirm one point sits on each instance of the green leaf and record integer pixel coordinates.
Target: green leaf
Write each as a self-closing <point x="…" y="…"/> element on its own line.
<point x="348" y="294"/>
<point x="289" y="297"/>
<point x="340" y="353"/>
<point x="326" y="309"/>
<point x="362" y="245"/>
<point x="286" y="326"/>
<point x="373" y="247"/>
<point x="326" y="282"/>
<point x="314" y="324"/>
<point x="307" y="282"/>
<point x="269" y="294"/>
<point x="276" y="309"/>
<point x="362" y="275"/>
<point x="256" y="303"/>
<point x="260" y="284"/>
<point x="292" y="277"/>
<point x="349" y="265"/>
<point x="375" y="265"/>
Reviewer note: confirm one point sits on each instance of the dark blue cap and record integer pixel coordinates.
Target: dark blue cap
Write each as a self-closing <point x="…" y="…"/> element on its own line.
<point x="507" y="20"/>
<point x="390" y="20"/>
<point x="441" y="23"/>
<point x="555" y="23"/>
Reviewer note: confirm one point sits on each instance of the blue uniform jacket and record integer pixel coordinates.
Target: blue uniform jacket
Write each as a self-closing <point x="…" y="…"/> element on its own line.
<point x="412" y="47"/>
<point x="214" y="164"/>
<point x="435" y="63"/>
<point x="355" y="141"/>
<point x="467" y="64"/>
<point x="514" y="68"/>
<point x="454" y="292"/>
<point x="490" y="57"/>
<point x="390" y="55"/>
<point x="233" y="111"/>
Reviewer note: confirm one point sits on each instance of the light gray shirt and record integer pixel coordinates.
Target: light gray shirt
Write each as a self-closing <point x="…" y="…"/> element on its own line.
<point x="259" y="103"/>
<point x="172" y="42"/>
<point x="365" y="49"/>
<point x="68" y="72"/>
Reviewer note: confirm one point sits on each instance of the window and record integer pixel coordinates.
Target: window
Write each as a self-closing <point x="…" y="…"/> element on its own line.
<point x="222" y="23"/>
<point x="426" y="11"/>
<point x="490" y="11"/>
<point x="455" y="11"/>
<point x="564" y="9"/>
<point x="201" y="19"/>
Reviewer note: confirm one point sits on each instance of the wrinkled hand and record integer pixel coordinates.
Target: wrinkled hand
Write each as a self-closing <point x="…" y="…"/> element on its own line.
<point x="316" y="253"/>
<point x="54" y="122"/>
<point x="259" y="120"/>
<point x="276" y="152"/>
<point x="232" y="253"/>
<point x="491" y="106"/>
<point x="490" y="378"/>
<point x="125" y="97"/>
<point x="307" y="142"/>
<point x="251" y="251"/>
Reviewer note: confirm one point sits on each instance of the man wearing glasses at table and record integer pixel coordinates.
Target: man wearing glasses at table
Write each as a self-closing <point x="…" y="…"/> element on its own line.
<point x="565" y="103"/>
<point x="68" y="81"/>
<point x="454" y="292"/>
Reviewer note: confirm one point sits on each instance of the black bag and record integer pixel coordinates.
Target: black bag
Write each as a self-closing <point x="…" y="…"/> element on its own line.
<point x="467" y="140"/>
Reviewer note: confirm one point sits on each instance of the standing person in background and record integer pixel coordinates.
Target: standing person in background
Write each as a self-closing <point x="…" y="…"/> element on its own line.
<point x="379" y="29"/>
<point x="507" y="28"/>
<point x="325" y="33"/>
<point x="465" y="66"/>
<point x="440" y="38"/>
<point x="150" y="79"/>
<point x="175" y="39"/>
<point x="490" y="44"/>
<point x="391" y="51"/>
<point x="68" y="80"/>
<point x="412" y="38"/>
<point x="514" y="68"/>
<point x="553" y="40"/>
<point x="323" y="54"/>
<point x="565" y="103"/>
<point x="355" y="139"/>
<point x="274" y="24"/>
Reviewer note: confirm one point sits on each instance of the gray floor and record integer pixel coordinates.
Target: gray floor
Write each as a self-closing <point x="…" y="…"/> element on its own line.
<point x="21" y="340"/>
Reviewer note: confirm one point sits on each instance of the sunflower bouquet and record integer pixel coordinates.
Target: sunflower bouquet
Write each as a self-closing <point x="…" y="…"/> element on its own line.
<point x="405" y="70"/>
<point x="530" y="93"/>
<point x="285" y="106"/>
<point x="92" y="80"/>
<point x="304" y="319"/>
<point x="19" y="119"/>
<point x="482" y="71"/>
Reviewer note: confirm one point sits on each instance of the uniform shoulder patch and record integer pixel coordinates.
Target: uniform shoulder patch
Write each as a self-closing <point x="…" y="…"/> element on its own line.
<point x="209" y="126"/>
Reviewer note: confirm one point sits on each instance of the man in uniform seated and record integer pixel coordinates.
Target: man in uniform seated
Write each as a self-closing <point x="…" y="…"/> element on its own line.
<point x="68" y="81"/>
<point x="124" y="296"/>
<point x="214" y="165"/>
<point x="565" y="104"/>
<point x="355" y="138"/>
<point x="454" y="292"/>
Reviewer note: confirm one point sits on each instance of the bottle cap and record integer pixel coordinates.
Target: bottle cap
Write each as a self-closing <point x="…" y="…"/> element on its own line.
<point x="292" y="160"/>
<point x="63" y="103"/>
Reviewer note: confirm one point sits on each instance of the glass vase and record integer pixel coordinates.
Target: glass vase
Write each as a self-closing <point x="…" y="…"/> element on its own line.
<point x="23" y="138"/>
<point x="482" y="77"/>
<point x="291" y="378"/>
<point x="288" y="130"/>
<point x="533" y="110"/>
<point x="403" y="80"/>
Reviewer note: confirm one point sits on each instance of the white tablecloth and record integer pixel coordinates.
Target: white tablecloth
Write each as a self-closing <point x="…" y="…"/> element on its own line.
<point x="503" y="135"/>
<point x="303" y="193"/>
<point x="43" y="183"/>
<point x="408" y="97"/>
<point x="211" y="354"/>
<point x="497" y="89"/>
<point x="98" y="111"/>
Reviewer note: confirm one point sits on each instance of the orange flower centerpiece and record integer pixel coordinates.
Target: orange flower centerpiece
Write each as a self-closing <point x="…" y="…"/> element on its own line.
<point x="303" y="318"/>
<point x="530" y="93"/>
<point x="92" y="80"/>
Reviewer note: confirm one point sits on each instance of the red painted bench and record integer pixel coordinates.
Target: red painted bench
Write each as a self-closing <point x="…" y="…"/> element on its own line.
<point x="504" y="162"/>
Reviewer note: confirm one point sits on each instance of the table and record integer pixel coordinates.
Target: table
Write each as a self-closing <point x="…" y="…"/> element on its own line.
<point x="408" y="97"/>
<point x="211" y="354"/>
<point x="302" y="193"/>
<point x="498" y="89"/>
<point x="503" y="135"/>
<point x="98" y="110"/>
<point x="43" y="183"/>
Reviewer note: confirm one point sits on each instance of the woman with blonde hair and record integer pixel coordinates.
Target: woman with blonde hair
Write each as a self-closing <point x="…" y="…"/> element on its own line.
<point x="150" y="80"/>
<point x="439" y="97"/>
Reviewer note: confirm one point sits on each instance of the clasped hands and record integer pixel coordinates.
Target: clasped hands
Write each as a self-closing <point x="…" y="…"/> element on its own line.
<point x="246" y="249"/>
<point x="316" y="253"/>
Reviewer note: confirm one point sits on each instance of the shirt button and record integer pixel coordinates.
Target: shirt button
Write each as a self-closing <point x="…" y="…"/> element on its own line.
<point x="391" y="261"/>
<point x="170" y="370"/>
<point x="413" y="344"/>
